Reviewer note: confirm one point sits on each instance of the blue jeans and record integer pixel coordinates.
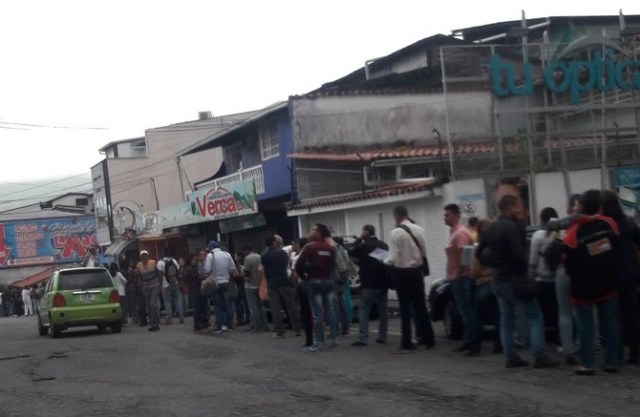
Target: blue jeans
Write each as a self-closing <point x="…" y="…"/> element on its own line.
<point x="369" y="296"/>
<point x="531" y="310"/>
<point x="482" y="295"/>
<point x="172" y="298"/>
<point x="320" y="295"/>
<point x="608" y="315"/>
<point x="223" y="306"/>
<point x="462" y="290"/>
<point x="565" y="311"/>
<point x="256" y="311"/>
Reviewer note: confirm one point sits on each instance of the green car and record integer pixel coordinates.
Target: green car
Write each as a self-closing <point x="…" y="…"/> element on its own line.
<point x="79" y="297"/>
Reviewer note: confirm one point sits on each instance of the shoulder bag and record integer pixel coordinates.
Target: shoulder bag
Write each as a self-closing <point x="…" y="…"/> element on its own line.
<point x="425" y="262"/>
<point x="209" y="285"/>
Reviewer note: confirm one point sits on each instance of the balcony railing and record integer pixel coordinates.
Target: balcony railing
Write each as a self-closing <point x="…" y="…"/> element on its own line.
<point x="254" y="173"/>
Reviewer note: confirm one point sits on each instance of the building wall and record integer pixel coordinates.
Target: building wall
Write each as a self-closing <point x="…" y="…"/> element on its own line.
<point x="131" y="178"/>
<point x="386" y="120"/>
<point x="391" y="120"/>
<point x="425" y="211"/>
<point x="277" y="177"/>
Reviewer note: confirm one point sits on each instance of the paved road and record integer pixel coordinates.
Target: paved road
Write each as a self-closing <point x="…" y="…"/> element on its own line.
<point x="176" y="373"/>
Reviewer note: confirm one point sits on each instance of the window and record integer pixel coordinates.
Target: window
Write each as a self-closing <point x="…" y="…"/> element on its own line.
<point x="233" y="159"/>
<point x="83" y="280"/>
<point x="269" y="146"/>
<point x="82" y="202"/>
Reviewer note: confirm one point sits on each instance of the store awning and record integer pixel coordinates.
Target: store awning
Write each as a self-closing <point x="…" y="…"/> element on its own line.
<point x="116" y="248"/>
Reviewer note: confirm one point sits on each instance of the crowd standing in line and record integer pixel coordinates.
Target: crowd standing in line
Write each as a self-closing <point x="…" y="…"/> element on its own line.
<point x="591" y="255"/>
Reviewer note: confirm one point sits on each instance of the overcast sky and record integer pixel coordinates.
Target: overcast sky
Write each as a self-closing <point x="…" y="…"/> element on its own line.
<point x="120" y="67"/>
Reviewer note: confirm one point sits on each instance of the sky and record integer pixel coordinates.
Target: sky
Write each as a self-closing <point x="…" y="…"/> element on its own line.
<point x="75" y="75"/>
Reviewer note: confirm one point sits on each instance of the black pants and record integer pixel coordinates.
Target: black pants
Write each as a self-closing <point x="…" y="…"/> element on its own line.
<point x="306" y="321"/>
<point x="629" y="316"/>
<point x="410" y="289"/>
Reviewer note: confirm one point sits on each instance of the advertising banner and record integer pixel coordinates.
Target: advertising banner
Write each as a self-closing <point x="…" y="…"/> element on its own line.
<point x="627" y="181"/>
<point x="46" y="241"/>
<point x="232" y="200"/>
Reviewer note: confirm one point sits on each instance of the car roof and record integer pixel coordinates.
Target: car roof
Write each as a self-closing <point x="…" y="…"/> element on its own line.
<point x="96" y="269"/>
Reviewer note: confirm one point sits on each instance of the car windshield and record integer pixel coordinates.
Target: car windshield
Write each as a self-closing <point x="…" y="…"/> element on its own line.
<point x="83" y="280"/>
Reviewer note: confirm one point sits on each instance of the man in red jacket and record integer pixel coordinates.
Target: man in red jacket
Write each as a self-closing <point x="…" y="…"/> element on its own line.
<point x="317" y="262"/>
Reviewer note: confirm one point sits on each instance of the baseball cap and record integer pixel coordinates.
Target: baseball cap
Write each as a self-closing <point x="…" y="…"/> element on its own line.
<point x="144" y="252"/>
<point x="213" y="244"/>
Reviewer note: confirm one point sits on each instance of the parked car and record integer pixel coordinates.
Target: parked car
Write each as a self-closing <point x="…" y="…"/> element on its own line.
<point x="79" y="297"/>
<point x="443" y="307"/>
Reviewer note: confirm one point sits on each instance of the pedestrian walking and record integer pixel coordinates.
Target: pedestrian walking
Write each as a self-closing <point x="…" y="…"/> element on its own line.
<point x="151" y="289"/>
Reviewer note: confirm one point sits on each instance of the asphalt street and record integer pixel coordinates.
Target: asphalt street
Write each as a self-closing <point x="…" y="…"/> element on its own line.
<point x="175" y="372"/>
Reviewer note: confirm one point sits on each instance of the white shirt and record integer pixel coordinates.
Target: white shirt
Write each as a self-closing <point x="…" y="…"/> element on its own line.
<point x="403" y="251"/>
<point x="120" y="281"/>
<point x="26" y="295"/>
<point x="224" y="265"/>
<point x="160" y="268"/>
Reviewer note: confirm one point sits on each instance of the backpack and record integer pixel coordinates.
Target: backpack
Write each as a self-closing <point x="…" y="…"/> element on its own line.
<point x="170" y="271"/>
<point x="592" y="259"/>
<point x="552" y="253"/>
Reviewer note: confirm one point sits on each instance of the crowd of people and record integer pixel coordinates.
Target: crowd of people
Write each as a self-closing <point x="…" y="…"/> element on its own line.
<point x="591" y="256"/>
<point x="20" y="302"/>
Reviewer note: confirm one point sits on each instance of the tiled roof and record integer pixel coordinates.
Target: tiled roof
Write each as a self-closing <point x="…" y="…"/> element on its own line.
<point x="36" y="278"/>
<point x="382" y="192"/>
<point x="461" y="148"/>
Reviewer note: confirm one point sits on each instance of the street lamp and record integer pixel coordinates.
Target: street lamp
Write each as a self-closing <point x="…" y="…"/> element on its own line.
<point x="435" y="135"/>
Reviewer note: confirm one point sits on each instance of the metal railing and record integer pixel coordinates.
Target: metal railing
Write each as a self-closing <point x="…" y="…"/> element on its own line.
<point x="255" y="174"/>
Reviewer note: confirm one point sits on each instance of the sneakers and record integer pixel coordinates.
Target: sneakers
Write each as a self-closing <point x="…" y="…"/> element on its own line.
<point x="314" y="347"/>
<point x="545" y="362"/>
<point x="154" y="328"/>
<point x="278" y="336"/>
<point x="516" y="362"/>
<point x="218" y="331"/>
<point x="381" y="341"/>
<point x="585" y="371"/>
<point x="359" y="343"/>
<point x="224" y="328"/>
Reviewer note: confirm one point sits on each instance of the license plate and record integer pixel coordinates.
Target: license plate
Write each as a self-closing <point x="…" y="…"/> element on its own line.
<point x="87" y="297"/>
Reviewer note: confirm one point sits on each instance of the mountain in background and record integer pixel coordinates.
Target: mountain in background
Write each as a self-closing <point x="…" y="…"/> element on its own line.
<point x="18" y="194"/>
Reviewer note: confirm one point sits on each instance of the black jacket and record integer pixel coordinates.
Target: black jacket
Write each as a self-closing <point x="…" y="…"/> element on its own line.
<point x="372" y="272"/>
<point x="504" y="249"/>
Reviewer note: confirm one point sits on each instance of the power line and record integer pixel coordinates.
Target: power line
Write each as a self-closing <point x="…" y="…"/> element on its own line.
<point x="49" y="126"/>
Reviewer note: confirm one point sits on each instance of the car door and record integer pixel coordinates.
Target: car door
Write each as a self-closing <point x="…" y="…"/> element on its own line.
<point x="46" y="300"/>
<point x="85" y="287"/>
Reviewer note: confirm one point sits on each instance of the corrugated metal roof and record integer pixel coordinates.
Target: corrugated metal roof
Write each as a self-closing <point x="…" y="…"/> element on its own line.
<point x="382" y="192"/>
<point x="210" y="141"/>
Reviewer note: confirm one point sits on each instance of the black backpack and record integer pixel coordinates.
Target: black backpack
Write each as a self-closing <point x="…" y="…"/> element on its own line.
<point x="170" y="271"/>
<point x="552" y="253"/>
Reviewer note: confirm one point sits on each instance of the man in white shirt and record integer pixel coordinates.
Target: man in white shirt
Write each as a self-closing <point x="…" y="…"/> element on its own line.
<point x="168" y="269"/>
<point x="225" y="269"/>
<point x="26" y="299"/>
<point x="407" y="248"/>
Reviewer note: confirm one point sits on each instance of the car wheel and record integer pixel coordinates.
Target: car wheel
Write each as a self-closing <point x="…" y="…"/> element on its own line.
<point x="102" y="328"/>
<point x="452" y="321"/>
<point x="42" y="330"/>
<point x="56" y="331"/>
<point x="116" y="327"/>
